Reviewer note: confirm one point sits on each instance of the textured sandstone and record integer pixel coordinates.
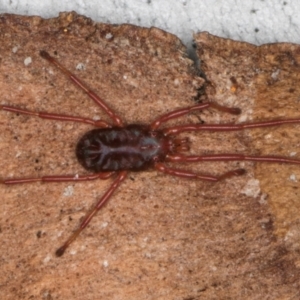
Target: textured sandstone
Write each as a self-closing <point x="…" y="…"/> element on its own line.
<point x="159" y="237"/>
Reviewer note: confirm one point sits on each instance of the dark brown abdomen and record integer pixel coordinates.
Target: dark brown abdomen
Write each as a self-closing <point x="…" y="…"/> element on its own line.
<point x="133" y="148"/>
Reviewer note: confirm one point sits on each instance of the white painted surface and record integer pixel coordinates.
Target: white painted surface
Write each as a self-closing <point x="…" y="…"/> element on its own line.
<point x="255" y="21"/>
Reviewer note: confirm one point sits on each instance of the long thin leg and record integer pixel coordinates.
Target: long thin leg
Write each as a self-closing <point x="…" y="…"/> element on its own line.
<point x="231" y="157"/>
<point x="58" y="178"/>
<point x="58" y="117"/>
<point x="191" y="175"/>
<point x="116" y="119"/>
<point x="183" y="111"/>
<point x="121" y="176"/>
<point x="228" y="127"/>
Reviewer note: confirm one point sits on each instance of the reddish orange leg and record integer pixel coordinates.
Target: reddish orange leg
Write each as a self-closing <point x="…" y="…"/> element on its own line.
<point x="121" y="176"/>
<point x="58" y="178"/>
<point x="116" y="119"/>
<point x="217" y="157"/>
<point x="183" y="111"/>
<point x="232" y="157"/>
<point x="191" y="175"/>
<point x="228" y="127"/>
<point x="58" y="117"/>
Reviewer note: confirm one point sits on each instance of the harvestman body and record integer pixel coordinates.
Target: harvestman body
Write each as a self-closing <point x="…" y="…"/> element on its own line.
<point x="113" y="150"/>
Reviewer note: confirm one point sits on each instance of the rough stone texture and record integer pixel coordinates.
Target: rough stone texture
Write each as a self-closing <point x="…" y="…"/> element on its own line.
<point x="264" y="82"/>
<point x="159" y="237"/>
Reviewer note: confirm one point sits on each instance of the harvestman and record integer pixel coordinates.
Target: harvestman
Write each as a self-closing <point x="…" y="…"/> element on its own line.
<point x="113" y="150"/>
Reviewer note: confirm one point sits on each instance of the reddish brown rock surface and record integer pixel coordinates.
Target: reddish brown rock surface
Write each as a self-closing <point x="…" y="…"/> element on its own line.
<point x="159" y="237"/>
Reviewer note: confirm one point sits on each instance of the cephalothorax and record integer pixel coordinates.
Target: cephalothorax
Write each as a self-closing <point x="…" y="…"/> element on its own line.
<point x="113" y="150"/>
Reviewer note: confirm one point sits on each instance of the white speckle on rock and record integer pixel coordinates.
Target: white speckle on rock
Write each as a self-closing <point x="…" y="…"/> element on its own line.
<point x="58" y="126"/>
<point x="176" y="81"/>
<point x="268" y="136"/>
<point x="51" y="71"/>
<point x="275" y="74"/>
<point x="68" y="191"/>
<point x="104" y="224"/>
<point x="96" y="118"/>
<point x="288" y="235"/>
<point x="243" y="118"/>
<point x="251" y="188"/>
<point x="105" y="263"/>
<point x="47" y="259"/>
<point x="27" y="61"/>
<point x="59" y="234"/>
<point x="109" y="36"/>
<point x="80" y="66"/>
<point x="293" y="178"/>
<point x="263" y="199"/>
<point x="214" y="268"/>
<point x="15" y="49"/>
<point x="73" y="252"/>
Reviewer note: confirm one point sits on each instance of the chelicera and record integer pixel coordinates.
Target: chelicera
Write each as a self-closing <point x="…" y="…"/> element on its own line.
<point x="114" y="150"/>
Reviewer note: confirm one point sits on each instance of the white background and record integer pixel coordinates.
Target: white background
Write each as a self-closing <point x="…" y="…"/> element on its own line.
<point x="255" y="21"/>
